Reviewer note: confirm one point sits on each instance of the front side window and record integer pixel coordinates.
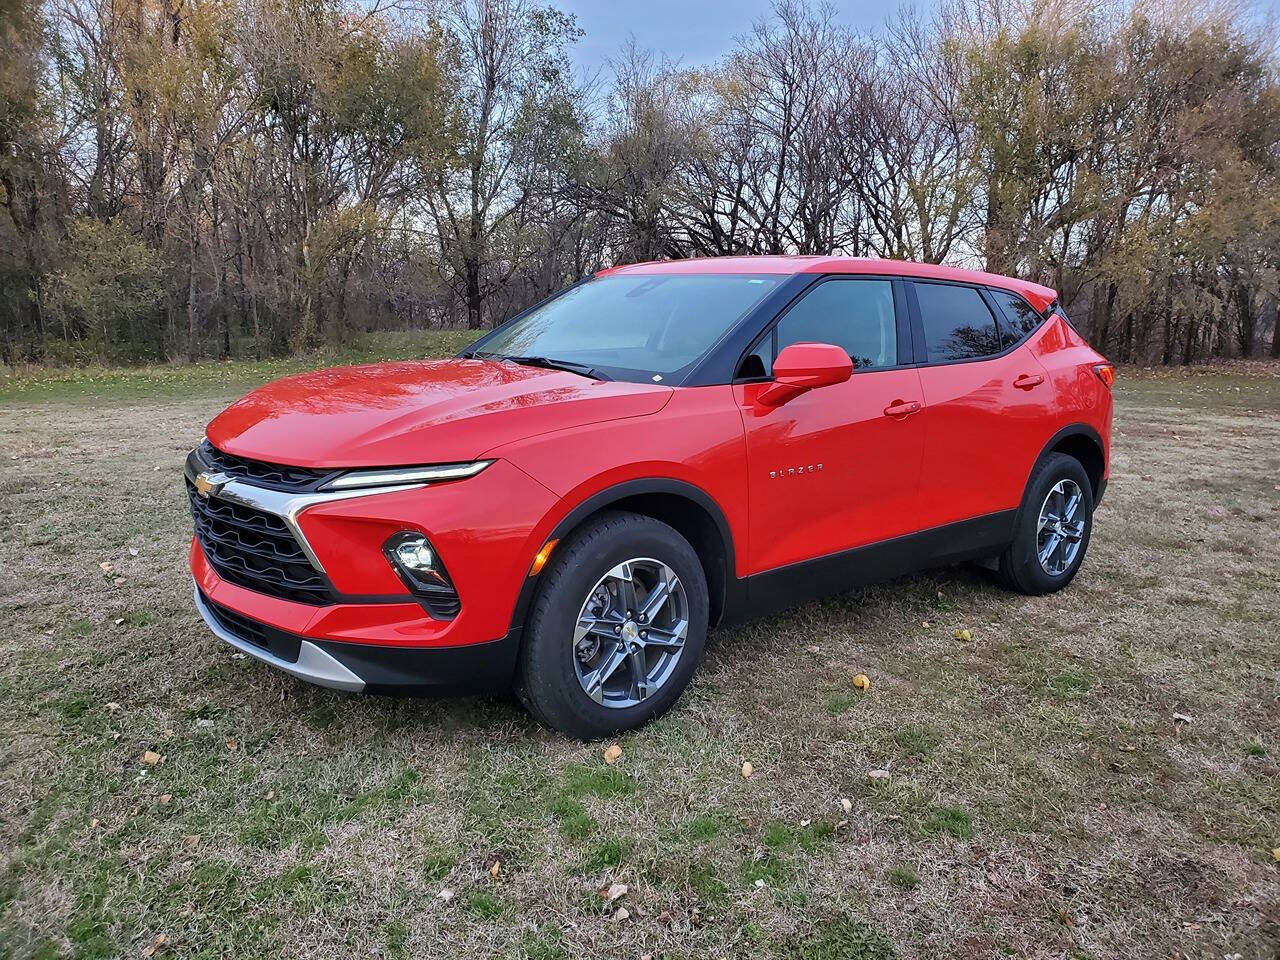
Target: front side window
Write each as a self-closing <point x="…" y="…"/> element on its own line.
<point x="633" y="326"/>
<point x="1020" y="315"/>
<point x="957" y="323"/>
<point x="856" y="315"/>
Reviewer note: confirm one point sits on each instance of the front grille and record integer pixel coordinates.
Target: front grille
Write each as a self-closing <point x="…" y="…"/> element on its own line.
<point x="256" y="550"/>
<point x="273" y="475"/>
<point x="284" y="646"/>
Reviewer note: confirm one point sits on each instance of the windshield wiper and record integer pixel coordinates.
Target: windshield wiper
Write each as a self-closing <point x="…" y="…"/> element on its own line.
<point x="582" y="369"/>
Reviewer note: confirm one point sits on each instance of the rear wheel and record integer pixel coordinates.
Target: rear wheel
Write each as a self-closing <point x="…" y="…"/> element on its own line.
<point x="617" y="628"/>
<point x="1052" y="531"/>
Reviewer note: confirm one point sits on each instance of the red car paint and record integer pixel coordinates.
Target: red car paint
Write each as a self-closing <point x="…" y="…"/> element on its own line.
<point x="885" y="453"/>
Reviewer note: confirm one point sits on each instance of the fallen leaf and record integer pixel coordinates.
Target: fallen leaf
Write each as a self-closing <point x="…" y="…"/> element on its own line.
<point x="133" y="551"/>
<point x="805" y="822"/>
<point x="156" y="943"/>
<point x="962" y="634"/>
<point x="1183" y="718"/>
<point x="166" y="797"/>
<point x="168" y="732"/>
<point x="151" y="758"/>
<point x="877" y="774"/>
<point x="271" y="794"/>
<point x="747" y="770"/>
<point x="191" y="841"/>
<point x="446" y="895"/>
<point x="861" y="681"/>
<point x="112" y="707"/>
<point x="622" y="914"/>
<point x="495" y="869"/>
<point x="118" y="580"/>
<point x="926" y="624"/>
<point x="1275" y="853"/>
<point x="846" y="804"/>
<point x="232" y="744"/>
<point x="612" y="754"/>
<point x="93" y="824"/>
<point x="105" y="566"/>
<point x="813" y="648"/>
<point x="614" y="891"/>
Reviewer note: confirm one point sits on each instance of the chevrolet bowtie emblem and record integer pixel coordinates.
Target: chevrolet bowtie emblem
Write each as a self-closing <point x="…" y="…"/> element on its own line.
<point x="205" y="486"/>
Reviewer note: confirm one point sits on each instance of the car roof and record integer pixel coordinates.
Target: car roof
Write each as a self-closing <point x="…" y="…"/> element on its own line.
<point x="1038" y="295"/>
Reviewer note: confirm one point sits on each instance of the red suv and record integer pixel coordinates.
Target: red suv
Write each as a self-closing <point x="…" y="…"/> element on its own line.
<point x="573" y="501"/>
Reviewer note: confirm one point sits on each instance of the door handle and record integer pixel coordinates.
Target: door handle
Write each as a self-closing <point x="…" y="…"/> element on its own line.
<point x="902" y="408"/>
<point x="1028" y="380"/>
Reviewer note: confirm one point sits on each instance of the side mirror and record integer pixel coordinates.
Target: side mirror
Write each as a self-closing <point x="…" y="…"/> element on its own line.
<point x="802" y="367"/>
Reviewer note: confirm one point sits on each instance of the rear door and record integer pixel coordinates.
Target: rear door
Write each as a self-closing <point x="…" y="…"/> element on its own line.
<point x="986" y="399"/>
<point x="836" y="467"/>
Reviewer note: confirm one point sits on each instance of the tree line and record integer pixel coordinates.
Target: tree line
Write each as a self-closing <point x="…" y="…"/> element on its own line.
<point x="208" y="178"/>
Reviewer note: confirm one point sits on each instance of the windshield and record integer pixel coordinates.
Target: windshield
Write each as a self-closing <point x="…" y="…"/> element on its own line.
<point x="631" y="326"/>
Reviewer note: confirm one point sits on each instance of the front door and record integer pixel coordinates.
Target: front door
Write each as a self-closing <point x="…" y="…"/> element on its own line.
<point x="836" y="467"/>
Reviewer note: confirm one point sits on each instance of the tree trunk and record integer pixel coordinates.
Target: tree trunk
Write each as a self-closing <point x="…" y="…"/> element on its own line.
<point x="1275" y="335"/>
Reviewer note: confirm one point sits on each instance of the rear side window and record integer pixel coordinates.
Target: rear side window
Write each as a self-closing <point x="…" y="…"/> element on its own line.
<point x="957" y="323"/>
<point x="1020" y="315"/>
<point x="856" y="315"/>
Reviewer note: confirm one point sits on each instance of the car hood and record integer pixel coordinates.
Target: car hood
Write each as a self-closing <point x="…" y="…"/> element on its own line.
<point x="397" y="414"/>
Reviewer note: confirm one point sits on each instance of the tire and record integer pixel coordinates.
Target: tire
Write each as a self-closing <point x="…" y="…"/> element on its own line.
<point x="552" y="675"/>
<point x="1020" y="568"/>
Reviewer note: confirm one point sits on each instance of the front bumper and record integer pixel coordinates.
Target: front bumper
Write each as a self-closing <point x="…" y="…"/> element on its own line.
<point x="362" y="667"/>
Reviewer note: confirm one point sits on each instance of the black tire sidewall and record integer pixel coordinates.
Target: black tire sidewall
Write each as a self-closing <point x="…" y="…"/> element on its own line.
<point x="548" y="680"/>
<point x="1025" y="570"/>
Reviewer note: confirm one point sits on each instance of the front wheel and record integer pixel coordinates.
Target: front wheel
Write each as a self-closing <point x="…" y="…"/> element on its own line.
<point x="617" y="628"/>
<point x="1052" y="531"/>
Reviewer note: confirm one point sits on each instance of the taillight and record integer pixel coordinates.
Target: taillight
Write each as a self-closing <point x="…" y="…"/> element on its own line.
<point x="1106" y="373"/>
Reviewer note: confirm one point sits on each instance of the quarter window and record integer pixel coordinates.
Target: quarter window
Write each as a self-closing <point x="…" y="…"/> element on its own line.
<point x="856" y="315"/>
<point x="1019" y="314"/>
<point x="957" y="323"/>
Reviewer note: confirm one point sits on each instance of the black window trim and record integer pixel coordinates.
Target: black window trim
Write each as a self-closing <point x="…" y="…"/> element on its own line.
<point x="1043" y="315"/>
<point x="902" y="325"/>
<point x="917" y="324"/>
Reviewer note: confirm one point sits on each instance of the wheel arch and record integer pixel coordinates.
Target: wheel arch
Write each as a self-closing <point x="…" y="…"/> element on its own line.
<point x="688" y="509"/>
<point x="1084" y="444"/>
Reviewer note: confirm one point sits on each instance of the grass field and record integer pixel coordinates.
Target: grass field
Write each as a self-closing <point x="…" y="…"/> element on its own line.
<point x="1093" y="774"/>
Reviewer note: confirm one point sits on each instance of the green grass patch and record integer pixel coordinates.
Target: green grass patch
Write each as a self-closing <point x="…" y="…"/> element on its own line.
<point x="486" y="906"/>
<point x="845" y="938"/>
<point x="607" y="856"/>
<point x="705" y="826"/>
<point x="951" y="821"/>
<point x="437" y="866"/>
<point x="809" y="837"/>
<point x="773" y="869"/>
<point x="904" y="876"/>
<point x="574" y="820"/>
<point x="32" y="384"/>
<point x="706" y="884"/>
<point x="840" y="702"/>
<point x="1068" y="684"/>
<point x="917" y="741"/>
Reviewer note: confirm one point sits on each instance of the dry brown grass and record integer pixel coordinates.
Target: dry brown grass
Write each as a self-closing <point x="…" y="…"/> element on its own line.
<point x="1043" y="801"/>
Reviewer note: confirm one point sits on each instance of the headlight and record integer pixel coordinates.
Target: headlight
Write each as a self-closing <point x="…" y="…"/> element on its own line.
<point x="395" y="476"/>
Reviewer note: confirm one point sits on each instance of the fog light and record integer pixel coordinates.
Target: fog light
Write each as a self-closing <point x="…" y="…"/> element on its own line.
<point x="416" y="554"/>
<point x="419" y="567"/>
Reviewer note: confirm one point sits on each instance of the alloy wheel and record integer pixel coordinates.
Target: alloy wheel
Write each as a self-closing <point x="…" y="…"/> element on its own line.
<point x="1061" y="528"/>
<point x="630" y="632"/>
